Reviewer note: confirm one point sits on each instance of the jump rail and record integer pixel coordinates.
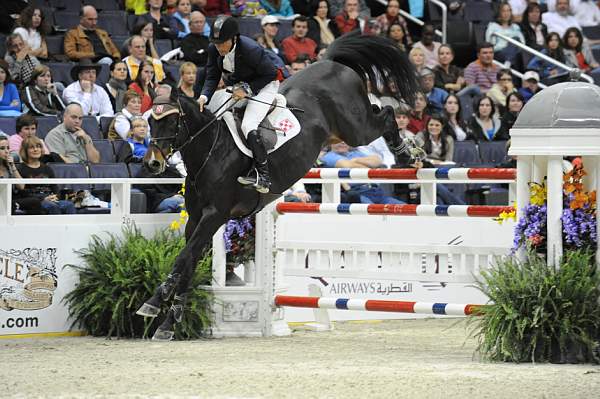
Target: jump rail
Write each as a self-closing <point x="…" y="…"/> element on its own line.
<point x="395" y="210"/>
<point x="415" y="174"/>
<point x="449" y="309"/>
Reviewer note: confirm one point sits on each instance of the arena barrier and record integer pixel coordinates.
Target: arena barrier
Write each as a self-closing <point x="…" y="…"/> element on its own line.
<point x="362" y="252"/>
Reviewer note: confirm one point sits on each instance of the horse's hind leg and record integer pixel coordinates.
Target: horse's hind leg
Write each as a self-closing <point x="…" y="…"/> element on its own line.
<point x="185" y="266"/>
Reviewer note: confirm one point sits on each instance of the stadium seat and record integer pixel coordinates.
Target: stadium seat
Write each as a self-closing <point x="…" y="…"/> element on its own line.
<point x="115" y="24"/>
<point x="462" y="37"/>
<point x="479" y="11"/>
<point x="285" y="29"/>
<point x="119" y="41"/>
<point x="105" y="149"/>
<point x="249" y="26"/>
<point x="61" y="72"/>
<point x="45" y="124"/>
<point x="591" y="32"/>
<point x="105" y="122"/>
<point x="103" y="5"/>
<point x="55" y="45"/>
<point x="131" y="21"/>
<point x="67" y="5"/>
<point x="8" y="125"/>
<point x="90" y="126"/>
<point x="163" y="46"/>
<point x="134" y="168"/>
<point x="70" y="170"/>
<point x="479" y="32"/>
<point x="492" y="152"/>
<point x="107" y="170"/>
<point x="2" y="45"/>
<point x="172" y="71"/>
<point x="67" y="19"/>
<point x="117" y="148"/>
<point x="466" y="153"/>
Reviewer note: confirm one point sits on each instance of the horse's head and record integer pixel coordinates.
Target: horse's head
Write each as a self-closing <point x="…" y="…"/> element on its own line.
<point x="167" y="132"/>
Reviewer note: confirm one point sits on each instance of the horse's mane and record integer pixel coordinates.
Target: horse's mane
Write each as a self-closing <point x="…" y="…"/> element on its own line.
<point x="379" y="61"/>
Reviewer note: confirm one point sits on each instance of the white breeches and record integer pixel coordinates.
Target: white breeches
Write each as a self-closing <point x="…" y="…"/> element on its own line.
<point x="255" y="112"/>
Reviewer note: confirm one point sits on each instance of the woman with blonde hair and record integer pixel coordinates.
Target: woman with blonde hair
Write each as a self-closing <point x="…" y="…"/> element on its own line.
<point x="417" y="58"/>
<point x="187" y="80"/>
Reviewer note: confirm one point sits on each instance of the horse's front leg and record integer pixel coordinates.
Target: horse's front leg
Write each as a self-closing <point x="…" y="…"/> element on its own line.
<point x="185" y="267"/>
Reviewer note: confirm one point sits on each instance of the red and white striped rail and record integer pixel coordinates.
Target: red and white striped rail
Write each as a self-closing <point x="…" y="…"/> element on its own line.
<point x="414" y="174"/>
<point x="439" y="308"/>
<point x="398" y="210"/>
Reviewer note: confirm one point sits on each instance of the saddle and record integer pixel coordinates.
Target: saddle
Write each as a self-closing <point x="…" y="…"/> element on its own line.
<point x="266" y="130"/>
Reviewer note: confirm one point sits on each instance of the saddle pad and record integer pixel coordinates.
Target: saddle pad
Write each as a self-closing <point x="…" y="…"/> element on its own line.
<point x="282" y="119"/>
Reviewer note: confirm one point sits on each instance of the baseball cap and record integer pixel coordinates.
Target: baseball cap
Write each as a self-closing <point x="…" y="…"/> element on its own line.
<point x="269" y="19"/>
<point x="531" y="75"/>
<point x="426" y="72"/>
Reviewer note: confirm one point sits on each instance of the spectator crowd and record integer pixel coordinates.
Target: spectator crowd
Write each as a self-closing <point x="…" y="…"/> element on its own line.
<point x="78" y="80"/>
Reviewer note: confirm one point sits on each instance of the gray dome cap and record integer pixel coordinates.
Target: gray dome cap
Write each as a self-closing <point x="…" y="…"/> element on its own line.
<point x="563" y="105"/>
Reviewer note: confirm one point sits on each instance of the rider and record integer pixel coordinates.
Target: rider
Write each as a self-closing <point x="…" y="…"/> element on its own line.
<point x="240" y="59"/>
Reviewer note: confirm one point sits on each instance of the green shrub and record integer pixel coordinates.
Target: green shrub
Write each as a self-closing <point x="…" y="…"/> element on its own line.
<point x="120" y="273"/>
<point x="540" y="313"/>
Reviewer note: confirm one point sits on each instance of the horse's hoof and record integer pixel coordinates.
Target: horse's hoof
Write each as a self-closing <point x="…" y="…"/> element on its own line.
<point x="163" y="335"/>
<point x="148" y="310"/>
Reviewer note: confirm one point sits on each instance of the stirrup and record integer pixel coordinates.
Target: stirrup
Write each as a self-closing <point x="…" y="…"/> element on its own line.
<point x="262" y="186"/>
<point x="251" y="178"/>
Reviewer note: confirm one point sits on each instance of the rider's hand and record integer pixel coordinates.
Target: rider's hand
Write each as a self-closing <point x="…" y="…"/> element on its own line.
<point x="239" y="93"/>
<point x="201" y="103"/>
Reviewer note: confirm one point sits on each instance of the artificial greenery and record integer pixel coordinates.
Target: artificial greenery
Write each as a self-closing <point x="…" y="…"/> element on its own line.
<point x="121" y="272"/>
<point x="538" y="312"/>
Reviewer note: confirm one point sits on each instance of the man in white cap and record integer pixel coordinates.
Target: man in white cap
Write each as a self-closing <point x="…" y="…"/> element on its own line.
<point x="529" y="85"/>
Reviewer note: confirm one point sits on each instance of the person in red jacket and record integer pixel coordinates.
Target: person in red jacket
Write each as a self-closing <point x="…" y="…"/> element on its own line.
<point x="298" y="43"/>
<point x="348" y="20"/>
<point x="211" y="8"/>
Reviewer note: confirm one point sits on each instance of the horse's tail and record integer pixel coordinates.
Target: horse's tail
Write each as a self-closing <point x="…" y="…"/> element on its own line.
<point x="379" y="62"/>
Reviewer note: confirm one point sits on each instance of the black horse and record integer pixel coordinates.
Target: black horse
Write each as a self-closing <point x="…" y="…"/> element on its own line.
<point x="333" y="95"/>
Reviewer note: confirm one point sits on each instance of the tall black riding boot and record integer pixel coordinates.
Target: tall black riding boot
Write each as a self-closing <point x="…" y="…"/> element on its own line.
<point x="262" y="181"/>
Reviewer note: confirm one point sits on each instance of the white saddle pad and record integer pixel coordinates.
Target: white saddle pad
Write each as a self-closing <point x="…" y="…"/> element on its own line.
<point x="282" y="119"/>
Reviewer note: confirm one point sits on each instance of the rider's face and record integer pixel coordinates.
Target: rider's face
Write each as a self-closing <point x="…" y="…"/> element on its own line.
<point x="225" y="47"/>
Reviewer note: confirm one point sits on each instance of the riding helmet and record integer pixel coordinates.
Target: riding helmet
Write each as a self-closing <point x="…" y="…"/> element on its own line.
<point x="224" y="28"/>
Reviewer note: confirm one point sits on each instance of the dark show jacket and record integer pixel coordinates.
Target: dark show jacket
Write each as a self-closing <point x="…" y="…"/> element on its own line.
<point x="252" y="66"/>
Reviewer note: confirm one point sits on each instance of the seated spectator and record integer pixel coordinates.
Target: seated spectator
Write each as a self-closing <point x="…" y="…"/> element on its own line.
<point x="392" y="16"/>
<point x="484" y="125"/>
<point x="418" y="116"/>
<point x="455" y="126"/>
<point x="32" y="167"/>
<point x="70" y="141"/>
<point x="437" y="143"/>
<point x="429" y="46"/>
<point x="397" y="33"/>
<point x="339" y="6"/>
<point x="417" y="57"/>
<point x="187" y="80"/>
<point x="26" y="127"/>
<point x="117" y="84"/>
<point x="137" y="54"/>
<point x="121" y="124"/>
<point x="514" y="105"/>
<point x="299" y="64"/>
<point x="297" y="193"/>
<point x="402" y="117"/>
<point x="41" y="96"/>
<point x="501" y="89"/>
<point x="578" y="52"/>
<point x="8" y="170"/>
<point x="502" y="49"/>
<point x="306" y="7"/>
<point x="84" y="90"/>
<point x="435" y="95"/>
<point x="342" y="155"/>
<point x="89" y="41"/>
<point x="270" y="28"/>
<point x="482" y="72"/>
<point x="162" y="198"/>
<point x="180" y="20"/>
<point x="144" y="85"/>
<point x="529" y="85"/>
<point x="171" y="7"/>
<point x="145" y="29"/>
<point x="195" y="45"/>
<point x="321" y="51"/>
<point x="560" y="20"/>
<point x="33" y="29"/>
<point x="212" y="8"/>
<point x="10" y="103"/>
<point x="320" y="23"/>
<point x="449" y="77"/>
<point x="155" y="13"/>
<point x="348" y="19"/>
<point x="278" y="8"/>
<point x="532" y="27"/>
<point x="587" y="13"/>
<point x="138" y="139"/>
<point x="21" y="62"/>
<point x="549" y="72"/>
<point x="298" y="42"/>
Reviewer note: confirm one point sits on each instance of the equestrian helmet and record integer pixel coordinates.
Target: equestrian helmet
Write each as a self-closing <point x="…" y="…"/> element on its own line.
<point x="224" y="28"/>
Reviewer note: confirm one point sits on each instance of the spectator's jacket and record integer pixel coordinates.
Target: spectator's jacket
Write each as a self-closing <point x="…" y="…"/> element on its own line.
<point x="42" y="102"/>
<point x="293" y="46"/>
<point x="284" y="10"/>
<point x="214" y="8"/>
<point x="588" y="56"/>
<point x="78" y="45"/>
<point x="477" y="133"/>
<point x="162" y="28"/>
<point x="133" y="67"/>
<point x="194" y="47"/>
<point x="343" y="24"/>
<point x="530" y="37"/>
<point x="96" y="103"/>
<point x="251" y="65"/>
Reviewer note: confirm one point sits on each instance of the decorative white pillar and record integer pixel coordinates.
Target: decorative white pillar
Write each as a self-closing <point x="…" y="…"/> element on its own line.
<point x="555" y="207"/>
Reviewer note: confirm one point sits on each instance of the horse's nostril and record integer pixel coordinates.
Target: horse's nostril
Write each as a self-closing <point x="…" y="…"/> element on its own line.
<point x="154" y="164"/>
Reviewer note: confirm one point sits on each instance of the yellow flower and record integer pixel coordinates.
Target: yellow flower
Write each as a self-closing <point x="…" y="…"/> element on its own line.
<point x="504" y="216"/>
<point x="538" y="194"/>
<point x="175" y="225"/>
